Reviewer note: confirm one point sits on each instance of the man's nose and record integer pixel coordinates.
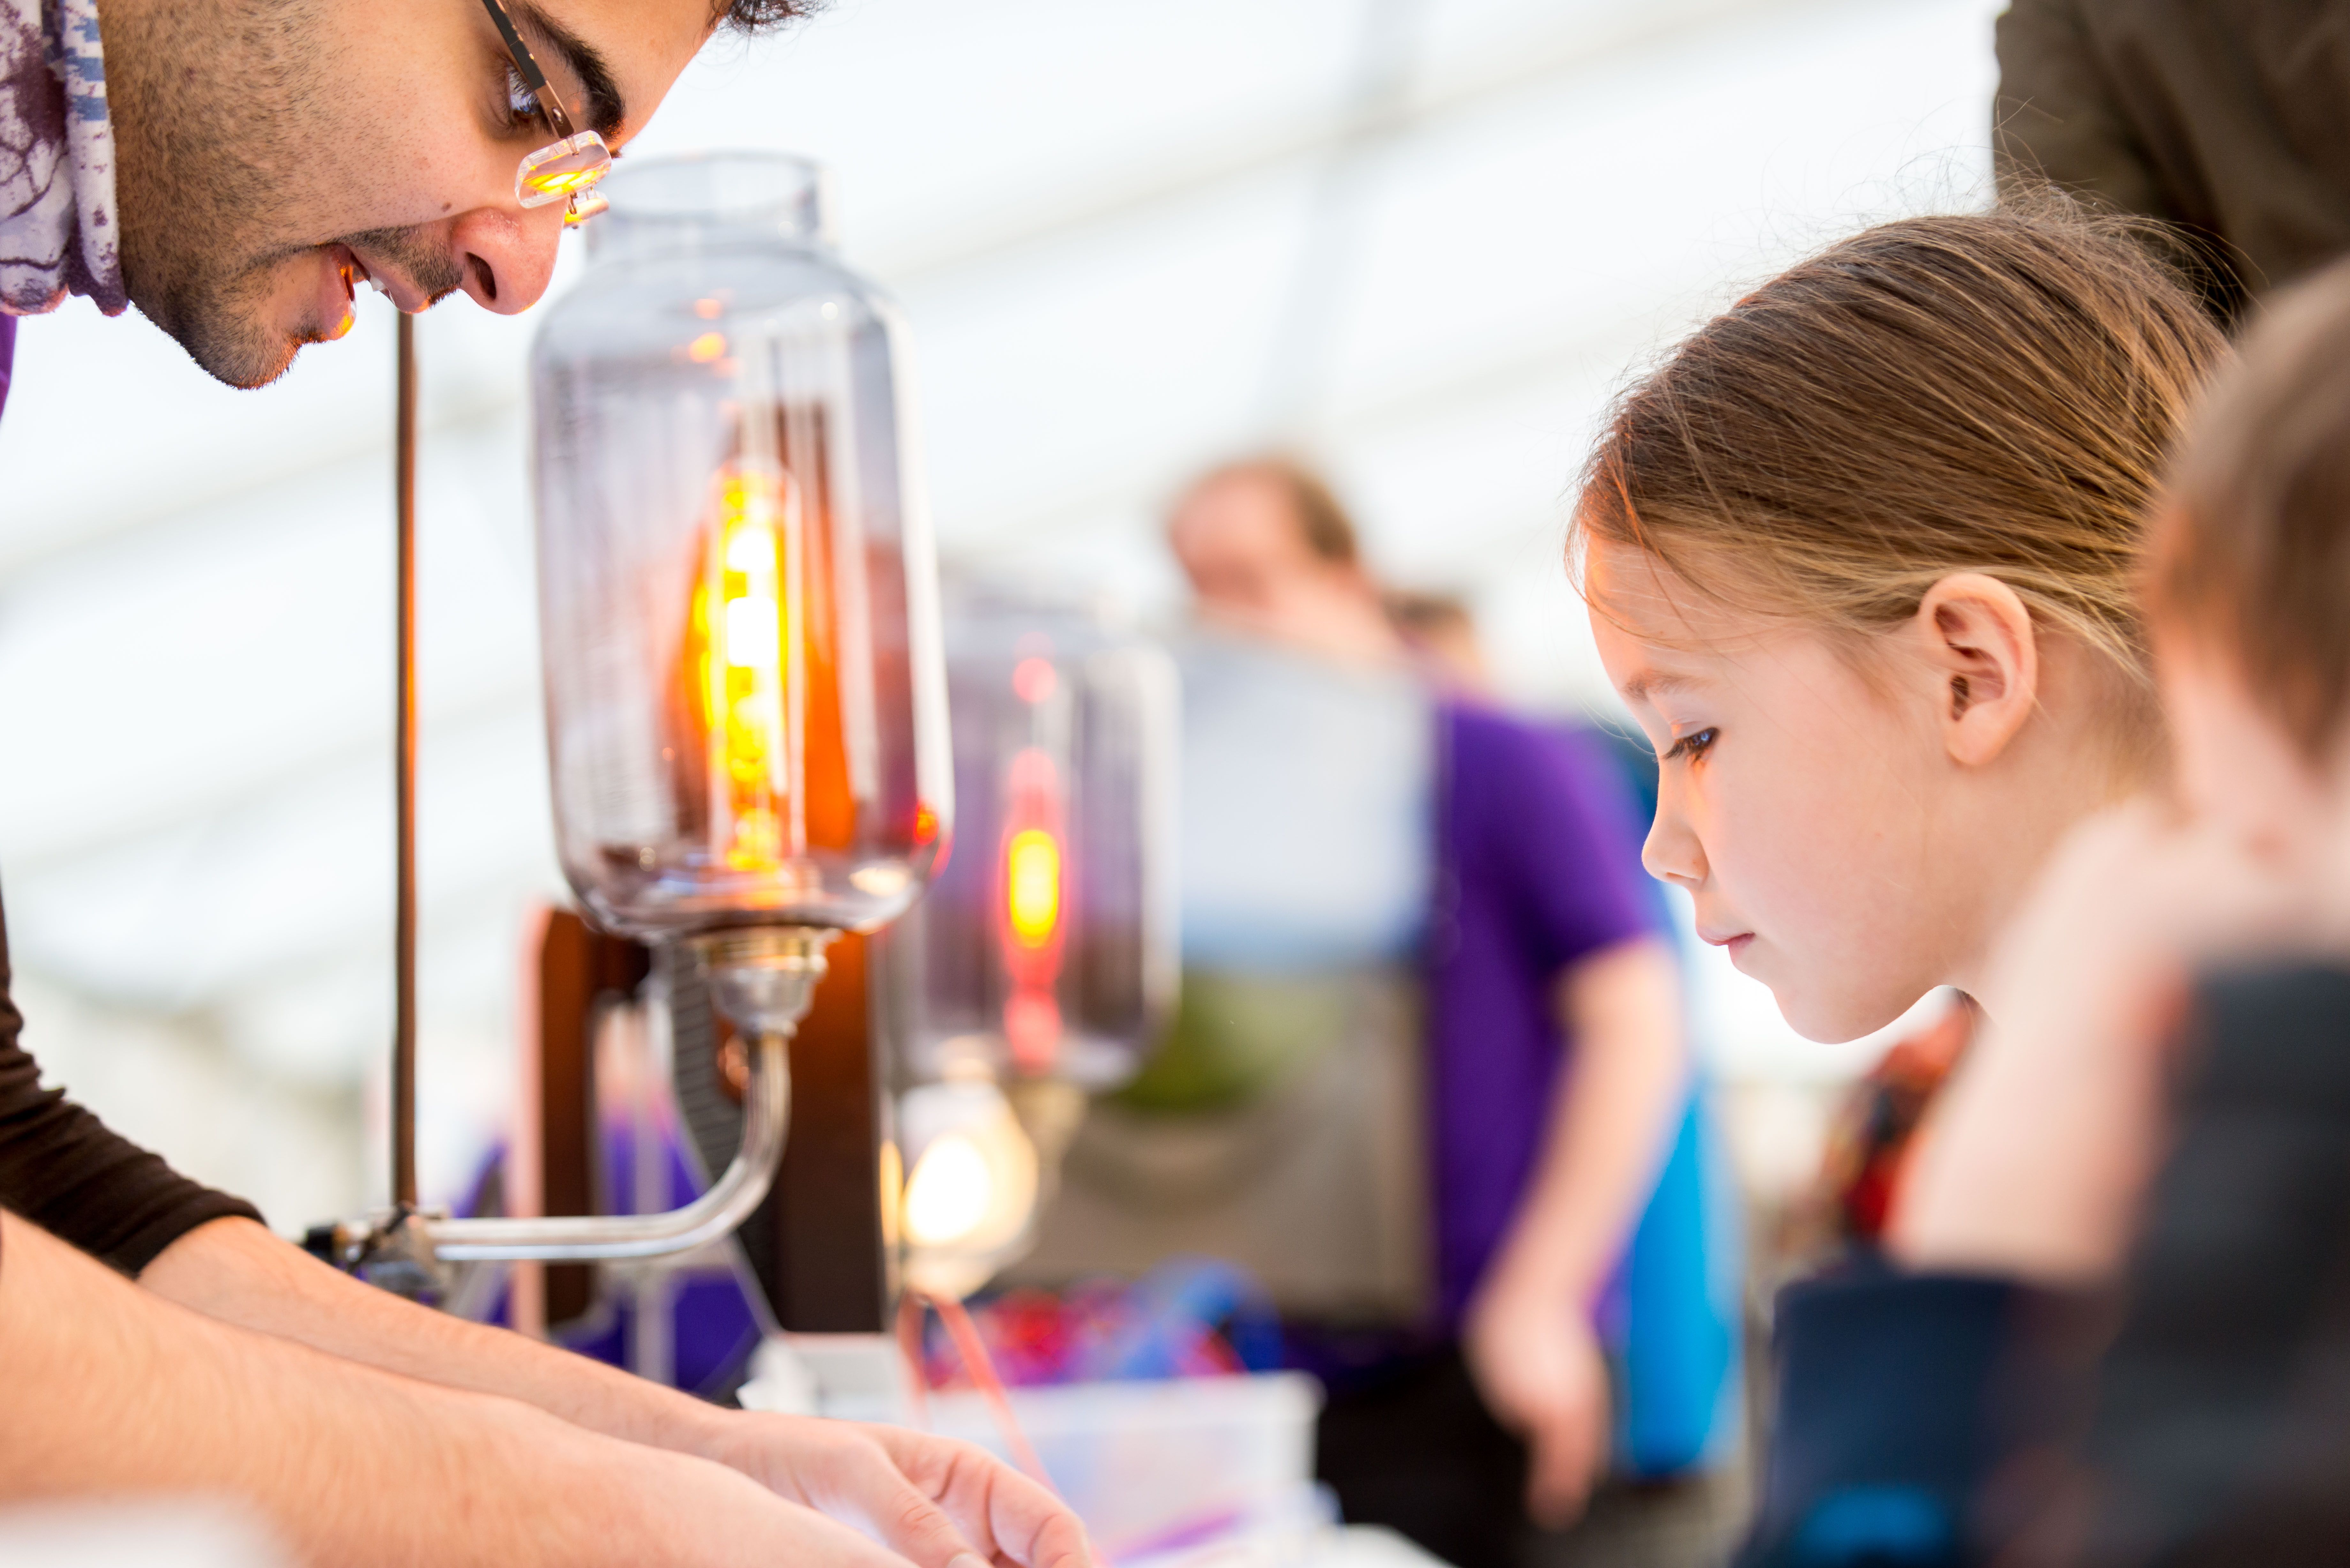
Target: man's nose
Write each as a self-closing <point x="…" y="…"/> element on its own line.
<point x="508" y="256"/>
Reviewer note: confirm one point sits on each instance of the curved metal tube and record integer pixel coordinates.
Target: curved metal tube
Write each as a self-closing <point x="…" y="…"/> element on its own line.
<point x="767" y="1114"/>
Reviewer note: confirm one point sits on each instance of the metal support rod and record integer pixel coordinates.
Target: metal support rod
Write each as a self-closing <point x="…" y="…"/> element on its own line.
<point x="766" y="1115"/>
<point x="403" y="961"/>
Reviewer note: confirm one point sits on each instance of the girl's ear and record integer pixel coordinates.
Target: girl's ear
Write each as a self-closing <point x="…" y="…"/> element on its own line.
<point x="1978" y="639"/>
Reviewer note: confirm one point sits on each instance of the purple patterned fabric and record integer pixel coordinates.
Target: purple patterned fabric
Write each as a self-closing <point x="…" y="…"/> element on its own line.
<point x="57" y="227"/>
<point x="1535" y="870"/>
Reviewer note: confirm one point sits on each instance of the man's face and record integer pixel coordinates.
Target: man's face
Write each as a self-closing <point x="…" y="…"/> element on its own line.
<point x="273" y="154"/>
<point x="1238" y="541"/>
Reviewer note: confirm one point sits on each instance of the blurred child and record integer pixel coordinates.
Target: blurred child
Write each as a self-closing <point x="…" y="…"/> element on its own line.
<point x="2204" y="944"/>
<point x="1860" y="558"/>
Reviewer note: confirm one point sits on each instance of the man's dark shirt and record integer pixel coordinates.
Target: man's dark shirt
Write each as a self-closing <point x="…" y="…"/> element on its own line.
<point x="60" y="1167"/>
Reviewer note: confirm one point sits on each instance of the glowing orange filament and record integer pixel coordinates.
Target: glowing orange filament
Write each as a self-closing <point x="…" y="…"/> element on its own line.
<point x="742" y="675"/>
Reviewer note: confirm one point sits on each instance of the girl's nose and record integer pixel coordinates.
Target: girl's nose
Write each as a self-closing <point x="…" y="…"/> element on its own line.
<point x="1671" y="852"/>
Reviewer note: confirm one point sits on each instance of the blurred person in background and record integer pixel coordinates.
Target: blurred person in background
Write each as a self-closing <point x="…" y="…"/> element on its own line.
<point x="1441" y="631"/>
<point x="1430" y="1075"/>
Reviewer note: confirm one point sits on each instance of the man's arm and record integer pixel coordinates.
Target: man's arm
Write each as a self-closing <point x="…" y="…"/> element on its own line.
<point x="109" y="1390"/>
<point x="933" y="1499"/>
<point x="1529" y="1336"/>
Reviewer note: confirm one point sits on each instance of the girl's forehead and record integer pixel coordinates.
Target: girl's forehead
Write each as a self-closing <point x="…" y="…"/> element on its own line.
<point x="1641" y="599"/>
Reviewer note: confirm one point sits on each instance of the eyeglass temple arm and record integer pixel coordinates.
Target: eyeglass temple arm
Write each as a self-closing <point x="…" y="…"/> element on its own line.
<point x="531" y="77"/>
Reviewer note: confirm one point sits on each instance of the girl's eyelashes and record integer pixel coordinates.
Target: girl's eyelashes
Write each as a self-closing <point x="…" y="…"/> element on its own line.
<point x="1692" y="746"/>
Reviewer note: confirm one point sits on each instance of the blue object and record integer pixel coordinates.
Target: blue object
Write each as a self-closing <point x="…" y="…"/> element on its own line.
<point x="1172" y="1306"/>
<point x="1681" y="1287"/>
<point x="1888" y="1414"/>
<point x="1877" y="1524"/>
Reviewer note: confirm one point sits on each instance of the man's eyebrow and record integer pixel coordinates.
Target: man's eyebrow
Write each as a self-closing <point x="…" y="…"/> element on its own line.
<point x="604" y="112"/>
<point x="1649" y="683"/>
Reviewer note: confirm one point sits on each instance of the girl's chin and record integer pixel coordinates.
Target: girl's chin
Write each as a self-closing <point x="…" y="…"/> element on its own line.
<point x="1827" y="1019"/>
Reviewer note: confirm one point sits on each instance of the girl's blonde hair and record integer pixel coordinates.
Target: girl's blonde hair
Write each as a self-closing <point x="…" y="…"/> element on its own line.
<point x="1991" y="392"/>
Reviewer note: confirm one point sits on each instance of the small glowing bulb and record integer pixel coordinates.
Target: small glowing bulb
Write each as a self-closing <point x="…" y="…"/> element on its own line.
<point x="1032" y="886"/>
<point x="950" y="1193"/>
<point x="1032" y="679"/>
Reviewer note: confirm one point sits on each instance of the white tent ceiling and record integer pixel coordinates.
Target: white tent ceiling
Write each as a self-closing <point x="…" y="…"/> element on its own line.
<point x="1421" y="240"/>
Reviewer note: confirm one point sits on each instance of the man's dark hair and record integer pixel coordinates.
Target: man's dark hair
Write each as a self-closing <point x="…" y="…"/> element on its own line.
<point x="1322" y="518"/>
<point x="749" y="15"/>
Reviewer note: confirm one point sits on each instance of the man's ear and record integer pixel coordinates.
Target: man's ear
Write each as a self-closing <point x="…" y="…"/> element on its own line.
<point x="1978" y="643"/>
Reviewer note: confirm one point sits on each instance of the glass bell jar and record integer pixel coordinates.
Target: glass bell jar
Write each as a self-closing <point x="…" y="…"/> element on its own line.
<point x="745" y="702"/>
<point x="1047" y="948"/>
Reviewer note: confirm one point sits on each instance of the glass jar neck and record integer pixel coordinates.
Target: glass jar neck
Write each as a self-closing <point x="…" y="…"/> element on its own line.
<point x="712" y="201"/>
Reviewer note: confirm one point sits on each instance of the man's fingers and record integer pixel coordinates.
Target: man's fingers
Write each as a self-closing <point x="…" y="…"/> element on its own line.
<point x="1036" y="1531"/>
<point x="832" y="1544"/>
<point x="916" y="1528"/>
<point x="999" y="1510"/>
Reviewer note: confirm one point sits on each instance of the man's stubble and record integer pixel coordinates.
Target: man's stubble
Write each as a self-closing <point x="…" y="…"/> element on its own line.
<point x="227" y="137"/>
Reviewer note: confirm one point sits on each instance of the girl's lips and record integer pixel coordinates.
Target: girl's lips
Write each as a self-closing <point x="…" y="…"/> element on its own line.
<point x="1734" y="944"/>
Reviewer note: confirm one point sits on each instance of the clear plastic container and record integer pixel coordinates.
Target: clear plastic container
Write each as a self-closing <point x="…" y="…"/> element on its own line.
<point x="746" y="718"/>
<point x="1156" y="1468"/>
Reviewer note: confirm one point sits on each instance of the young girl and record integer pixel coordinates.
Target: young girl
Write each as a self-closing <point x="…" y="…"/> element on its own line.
<point x="1860" y="559"/>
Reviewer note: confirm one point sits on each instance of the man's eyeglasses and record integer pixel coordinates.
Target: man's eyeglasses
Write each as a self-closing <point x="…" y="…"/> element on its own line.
<point x="567" y="168"/>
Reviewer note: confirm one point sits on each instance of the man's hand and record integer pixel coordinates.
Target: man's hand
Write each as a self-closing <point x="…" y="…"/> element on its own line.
<point x="931" y="1499"/>
<point x="1540" y="1368"/>
<point x="112" y="1391"/>
<point x="662" y="1508"/>
<point x="935" y="1502"/>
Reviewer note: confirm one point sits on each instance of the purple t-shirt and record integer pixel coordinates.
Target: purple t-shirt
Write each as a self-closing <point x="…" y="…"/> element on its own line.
<point x="1537" y="866"/>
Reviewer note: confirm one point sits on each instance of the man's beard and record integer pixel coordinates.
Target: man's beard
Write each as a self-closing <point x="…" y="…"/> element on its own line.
<point x="224" y="321"/>
<point x="227" y="127"/>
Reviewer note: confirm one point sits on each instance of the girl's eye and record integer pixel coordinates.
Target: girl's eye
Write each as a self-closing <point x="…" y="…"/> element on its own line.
<point x="1691" y="746"/>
